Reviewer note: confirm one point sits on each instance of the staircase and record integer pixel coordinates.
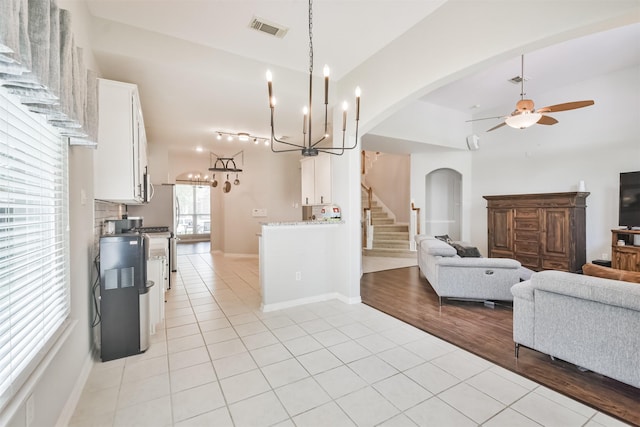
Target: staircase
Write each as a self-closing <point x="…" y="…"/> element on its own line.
<point x="389" y="239"/>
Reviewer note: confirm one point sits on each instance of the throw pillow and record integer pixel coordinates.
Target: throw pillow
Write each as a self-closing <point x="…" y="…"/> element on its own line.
<point x="466" y="251"/>
<point x="445" y="238"/>
<point x="611" y="273"/>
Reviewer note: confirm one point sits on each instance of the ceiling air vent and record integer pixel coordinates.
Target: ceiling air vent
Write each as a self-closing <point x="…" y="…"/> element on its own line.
<point x="517" y="80"/>
<point x="267" y="27"/>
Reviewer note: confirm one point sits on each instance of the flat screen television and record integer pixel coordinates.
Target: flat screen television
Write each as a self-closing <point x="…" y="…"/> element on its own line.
<point x="629" y="214"/>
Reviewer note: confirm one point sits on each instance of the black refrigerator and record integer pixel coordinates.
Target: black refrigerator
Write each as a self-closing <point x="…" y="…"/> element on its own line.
<point x="124" y="295"/>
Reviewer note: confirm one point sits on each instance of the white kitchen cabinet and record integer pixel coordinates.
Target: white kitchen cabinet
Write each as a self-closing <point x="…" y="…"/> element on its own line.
<point x="120" y="161"/>
<point x="316" y="180"/>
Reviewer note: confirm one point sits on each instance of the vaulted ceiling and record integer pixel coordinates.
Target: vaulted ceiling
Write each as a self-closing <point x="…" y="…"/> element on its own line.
<point x="201" y="68"/>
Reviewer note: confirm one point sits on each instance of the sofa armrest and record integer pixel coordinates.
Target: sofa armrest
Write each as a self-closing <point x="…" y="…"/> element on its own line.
<point x="478" y="262"/>
<point x="420" y="237"/>
<point x="435" y="247"/>
<point x="605" y="291"/>
<point x="523" y="290"/>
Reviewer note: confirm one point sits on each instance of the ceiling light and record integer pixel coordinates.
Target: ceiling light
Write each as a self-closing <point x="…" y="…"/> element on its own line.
<point x="242" y="136"/>
<point x="199" y="149"/>
<point x="523" y="120"/>
<point x="308" y="147"/>
<point x="194" y="178"/>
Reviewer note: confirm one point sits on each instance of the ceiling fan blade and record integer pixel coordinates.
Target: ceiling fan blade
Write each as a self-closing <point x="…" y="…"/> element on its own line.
<point x="547" y="120"/>
<point x="498" y="126"/>
<point x="485" y="118"/>
<point x="566" y="106"/>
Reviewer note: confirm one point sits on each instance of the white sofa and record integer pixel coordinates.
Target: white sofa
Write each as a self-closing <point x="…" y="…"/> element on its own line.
<point x="451" y="276"/>
<point x="588" y="321"/>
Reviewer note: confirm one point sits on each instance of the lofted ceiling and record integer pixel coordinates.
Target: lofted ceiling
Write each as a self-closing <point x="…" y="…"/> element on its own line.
<point x="200" y="68"/>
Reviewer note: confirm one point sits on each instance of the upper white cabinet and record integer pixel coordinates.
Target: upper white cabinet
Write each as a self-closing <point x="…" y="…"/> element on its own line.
<point x="316" y="180"/>
<point x="121" y="157"/>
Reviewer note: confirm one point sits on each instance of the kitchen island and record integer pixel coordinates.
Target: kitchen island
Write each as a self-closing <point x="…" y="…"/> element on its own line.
<point x="299" y="262"/>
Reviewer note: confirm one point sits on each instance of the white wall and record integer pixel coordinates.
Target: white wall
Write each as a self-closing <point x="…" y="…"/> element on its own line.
<point x="268" y="181"/>
<point x="389" y="178"/>
<point x="593" y="144"/>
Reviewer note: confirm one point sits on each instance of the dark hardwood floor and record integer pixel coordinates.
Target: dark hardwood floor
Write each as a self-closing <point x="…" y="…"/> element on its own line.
<point x="405" y="294"/>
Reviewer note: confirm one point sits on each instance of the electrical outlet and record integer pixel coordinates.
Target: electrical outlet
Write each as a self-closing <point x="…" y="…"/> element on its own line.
<point x="298" y="275"/>
<point x="30" y="411"/>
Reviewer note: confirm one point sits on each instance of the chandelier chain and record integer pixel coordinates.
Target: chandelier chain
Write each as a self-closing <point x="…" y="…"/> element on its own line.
<point x="310" y="36"/>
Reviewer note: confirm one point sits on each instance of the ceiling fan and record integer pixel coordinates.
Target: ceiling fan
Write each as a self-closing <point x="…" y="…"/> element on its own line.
<point x="525" y="115"/>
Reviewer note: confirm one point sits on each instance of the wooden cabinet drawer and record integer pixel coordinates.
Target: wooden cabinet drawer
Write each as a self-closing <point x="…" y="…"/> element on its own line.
<point x="526" y="236"/>
<point x="532" y="262"/>
<point x="526" y="213"/>
<point x="555" y="264"/>
<point x="526" y="224"/>
<point x="527" y="247"/>
<point x="500" y="254"/>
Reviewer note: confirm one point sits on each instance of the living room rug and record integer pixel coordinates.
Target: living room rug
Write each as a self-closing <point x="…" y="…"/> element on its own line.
<point x="406" y="295"/>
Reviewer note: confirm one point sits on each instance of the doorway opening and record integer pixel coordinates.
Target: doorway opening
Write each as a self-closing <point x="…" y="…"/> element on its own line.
<point x="194" y="217"/>
<point x="443" y="203"/>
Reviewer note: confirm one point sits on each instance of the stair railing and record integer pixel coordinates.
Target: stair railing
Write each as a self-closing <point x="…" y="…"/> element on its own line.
<point x="367" y="226"/>
<point x="414" y="226"/>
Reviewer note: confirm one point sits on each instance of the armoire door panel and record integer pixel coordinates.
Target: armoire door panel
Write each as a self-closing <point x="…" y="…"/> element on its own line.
<point x="501" y="236"/>
<point x="555" y="236"/>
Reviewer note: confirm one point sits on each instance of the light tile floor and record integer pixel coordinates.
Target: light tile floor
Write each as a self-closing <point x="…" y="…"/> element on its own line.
<point x="220" y="361"/>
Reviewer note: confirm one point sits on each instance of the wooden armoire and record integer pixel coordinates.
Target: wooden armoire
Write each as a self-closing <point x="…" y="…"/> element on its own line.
<point x="542" y="231"/>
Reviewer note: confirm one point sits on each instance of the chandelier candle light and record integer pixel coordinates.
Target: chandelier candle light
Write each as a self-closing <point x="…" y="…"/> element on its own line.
<point x="308" y="147"/>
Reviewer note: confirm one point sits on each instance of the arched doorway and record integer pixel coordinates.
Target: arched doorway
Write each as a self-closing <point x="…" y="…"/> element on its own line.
<point x="443" y="203"/>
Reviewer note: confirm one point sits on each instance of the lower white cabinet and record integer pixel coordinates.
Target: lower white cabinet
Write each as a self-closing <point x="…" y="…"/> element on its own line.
<point x="158" y="272"/>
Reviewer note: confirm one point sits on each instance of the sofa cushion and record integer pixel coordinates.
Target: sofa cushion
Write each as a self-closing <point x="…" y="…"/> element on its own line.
<point x="611" y="273"/>
<point x="421" y="237"/>
<point x="437" y="247"/>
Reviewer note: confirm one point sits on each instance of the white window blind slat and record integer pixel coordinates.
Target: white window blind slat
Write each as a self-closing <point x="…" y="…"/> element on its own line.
<point x="34" y="285"/>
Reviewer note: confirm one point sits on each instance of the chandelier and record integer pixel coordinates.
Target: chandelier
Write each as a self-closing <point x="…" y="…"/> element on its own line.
<point x="308" y="147"/>
<point x="194" y="178"/>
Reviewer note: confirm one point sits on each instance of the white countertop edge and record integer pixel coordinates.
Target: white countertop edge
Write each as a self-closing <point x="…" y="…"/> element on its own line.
<point x="300" y="223"/>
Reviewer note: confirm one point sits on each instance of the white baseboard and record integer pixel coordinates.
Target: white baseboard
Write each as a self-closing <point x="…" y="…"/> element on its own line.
<point x="309" y="300"/>
<point x="74" y="397"/>
<point x="347" y="300"/>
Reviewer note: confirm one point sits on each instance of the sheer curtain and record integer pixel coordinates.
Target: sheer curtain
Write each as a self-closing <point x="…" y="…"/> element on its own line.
<point x="41" y="64"/>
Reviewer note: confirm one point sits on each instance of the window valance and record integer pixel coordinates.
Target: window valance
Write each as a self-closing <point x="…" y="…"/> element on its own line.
<point x="41" y="65"/>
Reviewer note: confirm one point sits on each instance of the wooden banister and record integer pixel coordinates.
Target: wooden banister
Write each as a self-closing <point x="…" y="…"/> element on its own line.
<point x="413" y="208"/>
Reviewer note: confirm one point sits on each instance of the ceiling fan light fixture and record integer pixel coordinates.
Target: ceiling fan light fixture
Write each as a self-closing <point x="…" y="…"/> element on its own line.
<point x="523" y="121"/>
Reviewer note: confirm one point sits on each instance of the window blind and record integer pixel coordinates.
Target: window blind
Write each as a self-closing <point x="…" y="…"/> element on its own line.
<point x="34" y="278"/>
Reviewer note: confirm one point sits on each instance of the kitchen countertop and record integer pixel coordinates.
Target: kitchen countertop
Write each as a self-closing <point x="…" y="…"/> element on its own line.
<point x="315" y="222"/>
